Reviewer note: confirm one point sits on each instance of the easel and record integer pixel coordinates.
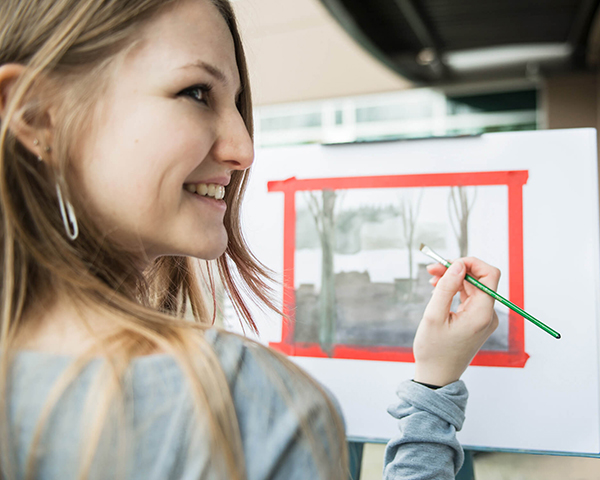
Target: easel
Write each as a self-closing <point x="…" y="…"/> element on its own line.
<point x="355" y="453"/>
<point x="467" y="472"/>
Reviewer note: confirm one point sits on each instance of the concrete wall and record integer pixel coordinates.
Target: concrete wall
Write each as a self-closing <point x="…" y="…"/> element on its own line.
<point x="571" y="101"/>
<point x="297" y="52"/>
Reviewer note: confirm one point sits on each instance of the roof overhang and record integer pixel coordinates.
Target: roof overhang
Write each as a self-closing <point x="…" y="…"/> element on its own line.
<point x="455" y="41"/>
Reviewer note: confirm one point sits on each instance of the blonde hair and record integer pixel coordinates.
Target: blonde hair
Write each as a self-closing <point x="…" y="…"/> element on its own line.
<point x="67" y="47"/>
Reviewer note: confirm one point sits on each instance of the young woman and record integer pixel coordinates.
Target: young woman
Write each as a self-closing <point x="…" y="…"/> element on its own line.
<point x="125" y="143"/>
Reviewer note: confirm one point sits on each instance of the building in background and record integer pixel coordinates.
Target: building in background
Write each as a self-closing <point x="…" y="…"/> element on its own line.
<point x="335" y="71"/>
<point x="412" y="113"/>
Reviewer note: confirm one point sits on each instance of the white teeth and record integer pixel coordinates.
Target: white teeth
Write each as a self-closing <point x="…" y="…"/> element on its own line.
<point x="204" y="189"/>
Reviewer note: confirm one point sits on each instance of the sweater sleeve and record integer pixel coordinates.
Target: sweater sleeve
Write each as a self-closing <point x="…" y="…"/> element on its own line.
<point x="426" y="447"/>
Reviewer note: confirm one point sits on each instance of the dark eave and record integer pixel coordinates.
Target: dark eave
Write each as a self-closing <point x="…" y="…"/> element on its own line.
<point x="444" y="41"/>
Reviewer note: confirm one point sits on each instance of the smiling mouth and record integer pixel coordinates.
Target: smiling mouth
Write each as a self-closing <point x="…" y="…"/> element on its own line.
<point x="206" y="190"/>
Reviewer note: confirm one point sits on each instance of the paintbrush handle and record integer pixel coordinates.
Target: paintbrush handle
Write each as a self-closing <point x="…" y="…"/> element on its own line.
<point x="512" y="306"/>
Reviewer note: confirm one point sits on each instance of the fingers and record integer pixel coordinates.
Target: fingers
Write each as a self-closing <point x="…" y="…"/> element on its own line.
<point x="436" y="269"/>
<point x="485" y="273"/>
<point x="482" y="271"/>
<point x="451" y="282"/>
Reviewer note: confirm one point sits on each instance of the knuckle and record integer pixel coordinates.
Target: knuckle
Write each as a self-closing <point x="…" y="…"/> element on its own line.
<point x="485" y="325"/>
<point x="476" y="330"/>
<point x="427" y="320"/>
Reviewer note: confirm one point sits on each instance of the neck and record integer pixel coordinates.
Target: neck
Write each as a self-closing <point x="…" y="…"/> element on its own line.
<point x="63" y="326"/>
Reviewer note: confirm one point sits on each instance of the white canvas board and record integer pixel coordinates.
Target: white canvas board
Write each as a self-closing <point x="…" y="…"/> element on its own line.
<point x="552" y="402"/>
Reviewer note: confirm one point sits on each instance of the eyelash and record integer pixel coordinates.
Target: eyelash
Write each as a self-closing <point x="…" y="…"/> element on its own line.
<point x="204" y="88"/>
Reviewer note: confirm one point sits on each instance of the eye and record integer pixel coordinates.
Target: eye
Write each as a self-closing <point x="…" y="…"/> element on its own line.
<point x="198" y="93"/>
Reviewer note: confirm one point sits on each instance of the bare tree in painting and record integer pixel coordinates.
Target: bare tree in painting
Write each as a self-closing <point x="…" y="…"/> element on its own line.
<point x="322" y="209"/>
<point x="459" y="209"/>
<point x="409" y="212"/>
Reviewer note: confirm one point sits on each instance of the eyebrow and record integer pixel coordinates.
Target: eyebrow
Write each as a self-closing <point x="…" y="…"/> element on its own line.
<point x="213" y="71"/>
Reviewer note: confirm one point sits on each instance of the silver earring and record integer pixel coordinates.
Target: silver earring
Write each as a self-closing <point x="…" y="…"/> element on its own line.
<point x="36" y="142"/>
<point x="48" y="149"/>
<point x="68" y="215"/>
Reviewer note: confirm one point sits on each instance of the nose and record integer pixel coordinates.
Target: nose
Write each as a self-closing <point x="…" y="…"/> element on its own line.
<point x="234" y="146"/>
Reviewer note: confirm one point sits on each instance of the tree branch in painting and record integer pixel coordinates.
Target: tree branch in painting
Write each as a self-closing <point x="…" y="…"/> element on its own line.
<point x="409" y="212"/>
<point x="459" y="209"/>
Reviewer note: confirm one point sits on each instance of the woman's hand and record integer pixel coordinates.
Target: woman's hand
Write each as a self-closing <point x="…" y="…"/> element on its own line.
<point x="446" y="342"/>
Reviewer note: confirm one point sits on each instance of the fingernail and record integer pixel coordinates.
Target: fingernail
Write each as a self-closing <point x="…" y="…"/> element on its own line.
<point x="456" y="268"/>
<point x="432" y="280"/>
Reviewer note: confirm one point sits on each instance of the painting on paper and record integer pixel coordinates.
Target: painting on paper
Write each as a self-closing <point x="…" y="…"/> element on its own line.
<point x="360" y="278"/>
<point x="359" y="282"/>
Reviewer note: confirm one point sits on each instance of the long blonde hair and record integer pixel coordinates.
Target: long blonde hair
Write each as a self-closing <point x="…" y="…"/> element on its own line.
<point x="67" y="46"/>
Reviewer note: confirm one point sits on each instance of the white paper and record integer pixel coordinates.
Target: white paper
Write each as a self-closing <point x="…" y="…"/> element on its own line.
<point x="552" y="402"/>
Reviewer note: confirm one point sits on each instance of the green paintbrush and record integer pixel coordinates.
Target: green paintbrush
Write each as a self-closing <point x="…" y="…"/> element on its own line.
<point x="430" y="253"/>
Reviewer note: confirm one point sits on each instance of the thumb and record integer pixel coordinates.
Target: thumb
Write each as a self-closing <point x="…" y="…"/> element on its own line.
<point x="447" y="287"/>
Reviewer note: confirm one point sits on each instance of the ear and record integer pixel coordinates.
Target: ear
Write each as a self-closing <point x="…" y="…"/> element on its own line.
<point x="28" y="124"/>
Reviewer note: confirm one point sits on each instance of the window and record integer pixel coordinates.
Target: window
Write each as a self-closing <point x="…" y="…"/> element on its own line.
<point x="416" y="113"/>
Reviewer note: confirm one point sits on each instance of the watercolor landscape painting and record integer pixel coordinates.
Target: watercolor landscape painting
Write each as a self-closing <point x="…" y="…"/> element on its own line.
<point x="360" y="278"/>
<point x="357" y="284"/>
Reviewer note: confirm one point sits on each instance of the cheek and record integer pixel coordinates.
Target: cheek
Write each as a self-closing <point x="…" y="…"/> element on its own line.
<point x="139" y="160"/>
<point x="154" y="139"/>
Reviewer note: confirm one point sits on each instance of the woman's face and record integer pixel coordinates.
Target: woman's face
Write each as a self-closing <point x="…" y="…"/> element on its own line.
<point x="168" y="125"/>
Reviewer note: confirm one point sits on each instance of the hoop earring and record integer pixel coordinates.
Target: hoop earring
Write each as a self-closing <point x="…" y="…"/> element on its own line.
<point x="67" y="214"/>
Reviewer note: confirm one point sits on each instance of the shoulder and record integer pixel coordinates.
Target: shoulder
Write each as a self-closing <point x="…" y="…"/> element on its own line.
<point x="249" y="365"/>
<point x="286" y="419"/>
<point x="253" y="369"/>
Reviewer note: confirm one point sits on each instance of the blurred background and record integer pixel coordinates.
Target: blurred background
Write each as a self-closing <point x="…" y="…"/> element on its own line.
<point x="336" y="71"/>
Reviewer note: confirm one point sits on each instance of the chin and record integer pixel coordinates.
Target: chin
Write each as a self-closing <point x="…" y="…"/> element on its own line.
<point x="209" y="256"/>
<point x="209" y="251"/>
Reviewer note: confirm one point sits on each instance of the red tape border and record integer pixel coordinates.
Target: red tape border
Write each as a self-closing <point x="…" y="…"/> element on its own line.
<point x="515" y="356"/>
